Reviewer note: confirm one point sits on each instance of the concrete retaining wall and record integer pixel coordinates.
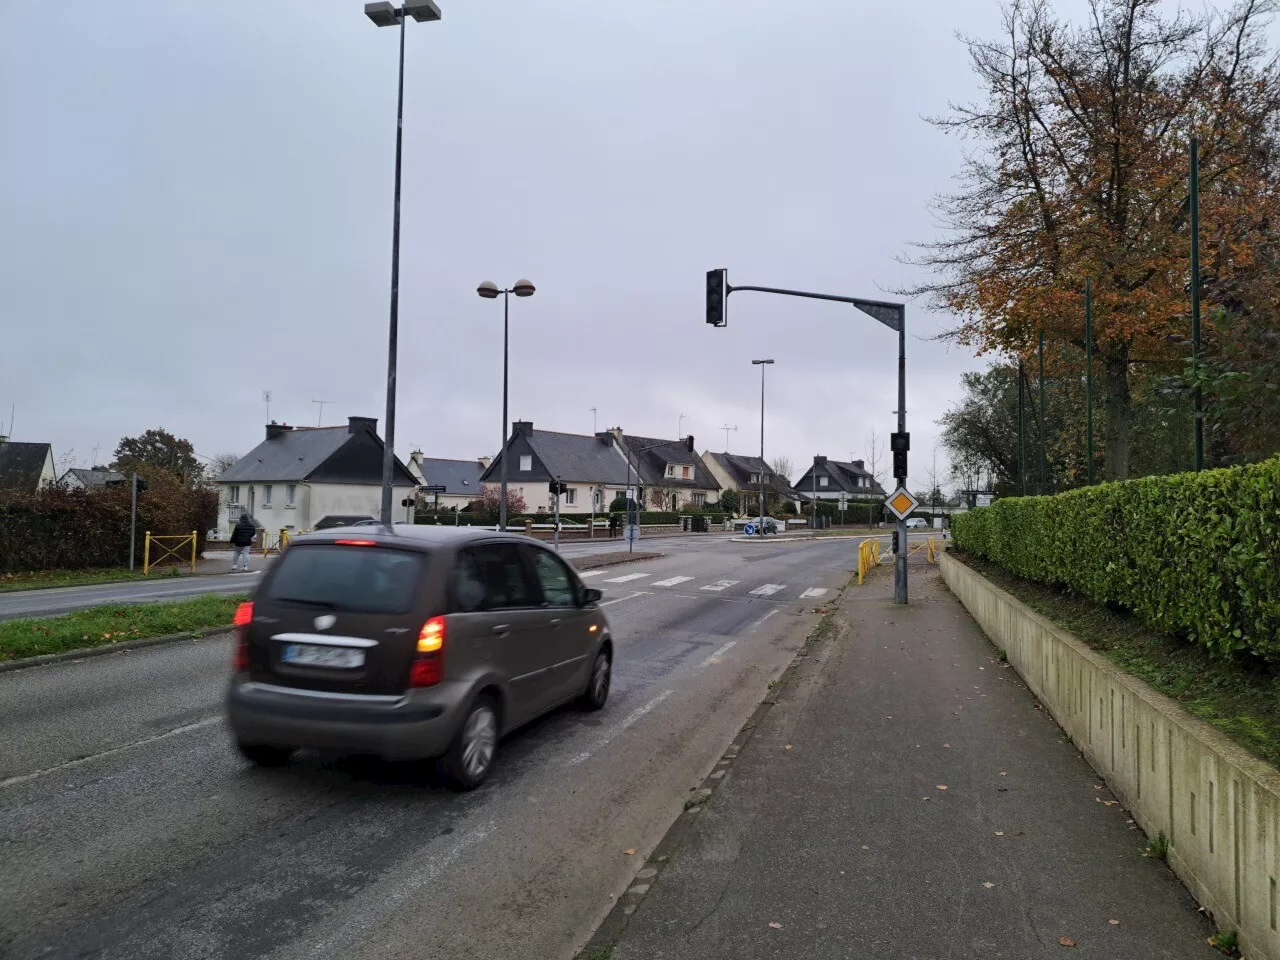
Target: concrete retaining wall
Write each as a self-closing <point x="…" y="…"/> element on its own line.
<point x="1218" y="805"/>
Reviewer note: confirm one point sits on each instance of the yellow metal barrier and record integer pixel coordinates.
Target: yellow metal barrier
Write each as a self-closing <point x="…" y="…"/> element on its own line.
<point x="930" y="548"/>
<point x="277" y="545"/>
<point x="167" y="548"/>
<point x="868" y="557"/>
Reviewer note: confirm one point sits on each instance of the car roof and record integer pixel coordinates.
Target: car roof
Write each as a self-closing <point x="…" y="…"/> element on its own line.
<point x="420" y="536"/>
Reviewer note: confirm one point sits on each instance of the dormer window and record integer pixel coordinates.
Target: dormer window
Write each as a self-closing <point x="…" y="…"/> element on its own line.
<point x="679" y="471"/>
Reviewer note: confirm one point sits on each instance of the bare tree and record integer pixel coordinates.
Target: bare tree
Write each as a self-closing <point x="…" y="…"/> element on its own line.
<point x="66" y="461"/>
<point x="875" y="453"/>
<point x="220" y="463"/>
<point x="783" y="467"/>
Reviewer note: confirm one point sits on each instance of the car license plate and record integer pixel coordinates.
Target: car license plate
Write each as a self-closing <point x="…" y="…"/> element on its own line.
<point x="314" y="655"/>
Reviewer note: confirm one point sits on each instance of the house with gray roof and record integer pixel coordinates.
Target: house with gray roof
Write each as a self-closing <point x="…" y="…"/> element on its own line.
<point x="740" y="473"/>
<point x="837" y="480"/>
<point x="93" y="478"/>
<point x="460" y="479"/>
<point x="299" y="476"/>
<point x="25" y="467"/>
<point x="672" y="473"/>
<point x="592" y="466"/>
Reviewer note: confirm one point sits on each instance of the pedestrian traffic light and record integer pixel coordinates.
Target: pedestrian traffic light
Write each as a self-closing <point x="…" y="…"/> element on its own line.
<point x="407" y="502"/>
<point x="900" y="465"/>
<point x="717" y="295"/>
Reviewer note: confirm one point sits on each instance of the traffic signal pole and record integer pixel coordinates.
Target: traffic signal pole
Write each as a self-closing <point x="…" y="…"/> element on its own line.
<point x="133" y="516"/>
<point x="893" y="316"/>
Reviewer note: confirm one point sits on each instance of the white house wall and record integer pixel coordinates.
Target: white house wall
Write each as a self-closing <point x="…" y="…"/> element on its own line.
<point x="350" y="499"/>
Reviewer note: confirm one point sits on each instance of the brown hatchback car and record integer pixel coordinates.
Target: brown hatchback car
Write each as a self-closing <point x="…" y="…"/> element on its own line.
<point x="413" y="642"/>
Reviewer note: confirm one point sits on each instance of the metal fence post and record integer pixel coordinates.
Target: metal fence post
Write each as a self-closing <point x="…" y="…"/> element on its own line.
<point x="193" y="551"/>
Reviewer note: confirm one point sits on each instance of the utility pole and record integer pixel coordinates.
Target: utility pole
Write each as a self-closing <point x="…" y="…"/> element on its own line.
<point x="1044" y="461"/>
<point x="1196" y="398"/>
<point x="133" y="515"/>
<point x="1022" y="437"/>
<point x="1088" y="376"/>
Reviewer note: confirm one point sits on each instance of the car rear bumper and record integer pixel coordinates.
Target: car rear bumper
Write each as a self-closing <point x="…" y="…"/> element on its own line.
<point x="419" y="724"/>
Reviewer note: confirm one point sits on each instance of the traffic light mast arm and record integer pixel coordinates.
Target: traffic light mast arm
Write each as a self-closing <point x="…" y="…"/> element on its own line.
<point x="890" y="314"/>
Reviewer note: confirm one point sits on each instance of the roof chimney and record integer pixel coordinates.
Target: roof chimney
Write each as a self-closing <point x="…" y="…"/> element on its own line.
<point x="356" y="424"/>
<point x="522" y="428"/>
<point x="276" y="429"/>
<point x="616" y="433"/>
<point x="858" y="464"/>
<point x="484" y="462"/>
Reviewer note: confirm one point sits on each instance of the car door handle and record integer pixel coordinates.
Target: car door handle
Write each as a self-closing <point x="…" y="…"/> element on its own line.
<point x="502" y="628"/>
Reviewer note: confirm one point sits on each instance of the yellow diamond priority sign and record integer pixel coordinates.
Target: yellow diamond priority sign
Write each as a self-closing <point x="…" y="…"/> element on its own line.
<point x="901" y="503"/>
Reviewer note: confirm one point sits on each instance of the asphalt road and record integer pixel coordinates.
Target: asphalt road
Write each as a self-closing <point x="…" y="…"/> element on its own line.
<point x="59" y="600"/>
<point x="131" y="829"/>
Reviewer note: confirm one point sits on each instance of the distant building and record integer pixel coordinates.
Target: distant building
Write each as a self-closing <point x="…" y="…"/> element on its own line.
<point x="93" y="478"/>
<point x="25" y="467"/>
<point x="836" y="480"/>
<point x="592" y="467"/>
<point x="300" y="476"/>
<point x="674" y="476"/>
<point x="743" y="474"/>
<point x="460" y="479"/>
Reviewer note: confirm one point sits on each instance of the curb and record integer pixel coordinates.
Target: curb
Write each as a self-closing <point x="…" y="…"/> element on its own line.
<point x="783" y="538"/>
<point x="606" y="936"/>
<point x="614" y="563"/>
<point x="9" y="666"/>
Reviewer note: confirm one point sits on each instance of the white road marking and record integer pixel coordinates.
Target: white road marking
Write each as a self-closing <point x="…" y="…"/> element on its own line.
<point x="765" y="617"/>
<point x="671" y="582"/>
<point x="716" y="655"/>
<point x="628" y="576"/>
<point x="768" y="590"/>
<point x="23" y="778"/>
<point x="813" y="593"/>
<point x="721" y="585"/>
<point x="630" y="720"/>
<point x="638" y="593"/>
<point x="592" y="573"/>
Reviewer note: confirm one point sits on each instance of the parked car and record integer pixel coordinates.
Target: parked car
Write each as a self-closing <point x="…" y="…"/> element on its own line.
<point x="770" y="524"/>
<point x="916" y="522"/>
<point x="413" y="642"/>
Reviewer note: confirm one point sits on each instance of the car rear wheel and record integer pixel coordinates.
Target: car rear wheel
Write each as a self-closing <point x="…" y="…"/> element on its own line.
<point x="263" y="755"/>
<point x="598" y="686"/>
<point x="470" y="758"/>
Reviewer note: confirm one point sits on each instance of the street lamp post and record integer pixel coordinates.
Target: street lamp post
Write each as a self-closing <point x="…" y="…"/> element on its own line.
<point x="761" y="364"/>
<point x="385" y="14"/>
<point x="489" y="290"/>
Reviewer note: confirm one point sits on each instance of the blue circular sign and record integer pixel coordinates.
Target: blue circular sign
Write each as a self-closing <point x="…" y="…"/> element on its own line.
<point x="749" y="529"/>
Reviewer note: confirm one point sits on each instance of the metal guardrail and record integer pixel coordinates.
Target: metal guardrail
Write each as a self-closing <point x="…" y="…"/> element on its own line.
<point x="868" y="557"/>
<point x="277" y="544"/>
<point x="167" y="547"/>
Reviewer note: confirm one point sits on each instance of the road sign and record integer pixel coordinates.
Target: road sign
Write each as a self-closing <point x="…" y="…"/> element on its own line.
<point x="984" y="499"/>
<point x="433" y="488"/>
<point x="749" y="529"/>
<point x="633" y="532"/>
<point x="901" y="503"/>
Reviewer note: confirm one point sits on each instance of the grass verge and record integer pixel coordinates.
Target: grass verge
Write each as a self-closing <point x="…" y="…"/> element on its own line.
<point x="35" y="579"/>
<point x="103" y="625"/>
<point x="1238" y="701"/>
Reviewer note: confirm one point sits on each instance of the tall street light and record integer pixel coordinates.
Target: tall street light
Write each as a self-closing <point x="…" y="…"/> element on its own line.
<point x="761" y="364"/>
<point x="489" y="290"/>
<point x="385" y="14"/>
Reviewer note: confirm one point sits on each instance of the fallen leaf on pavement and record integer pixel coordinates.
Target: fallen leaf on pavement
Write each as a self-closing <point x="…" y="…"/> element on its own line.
<point x="1114" y="923"/>
<point x="1066" y="941"/>
<point x="630" y="853"/>
<point x="1097" y="786"/>
<point x="947" y="745"/>
<point x="925" y="799"/>
<point x="775" y="926"/>
<point x="1004" y="773"/>
<point x="988" y="884"/>
<point x="999" y="833"/>
<point x="865" y="847"/>
<point x="788" y="746"/>
<point x="942" y="786"/>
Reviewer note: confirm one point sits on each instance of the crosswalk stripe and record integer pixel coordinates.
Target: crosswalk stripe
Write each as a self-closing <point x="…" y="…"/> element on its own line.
<point x="813" y="592"/>
<point x="591" y="573"/>
<point x="670" y="582"/>
<point x="768" y="589"/>
<point x="627" y="576"/>
<point x="721" y="585"/>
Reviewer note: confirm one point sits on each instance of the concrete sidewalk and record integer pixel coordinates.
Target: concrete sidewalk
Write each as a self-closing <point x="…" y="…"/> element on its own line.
<point x="905" y="798"/>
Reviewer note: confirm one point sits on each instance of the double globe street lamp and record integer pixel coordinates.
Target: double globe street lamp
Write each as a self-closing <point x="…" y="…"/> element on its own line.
<point x="490" y="291"/>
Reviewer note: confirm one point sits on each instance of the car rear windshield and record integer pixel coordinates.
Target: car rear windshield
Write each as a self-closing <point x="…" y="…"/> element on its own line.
<point x="355" y="579"/>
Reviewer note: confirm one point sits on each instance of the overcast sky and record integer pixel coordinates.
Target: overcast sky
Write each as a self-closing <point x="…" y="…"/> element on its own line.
<point x="195" y="207"/>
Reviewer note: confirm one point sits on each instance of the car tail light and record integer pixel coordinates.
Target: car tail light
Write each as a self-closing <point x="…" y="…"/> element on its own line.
<point x="356" y="543"/>
<point x="428" y="662"/>
<point x="241" y="621"/>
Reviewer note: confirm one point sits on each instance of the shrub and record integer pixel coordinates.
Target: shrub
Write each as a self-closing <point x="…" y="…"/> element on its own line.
<point x="1194" y="554"/>
<point x="648" y="517"/>
<point x="730" y="502"/>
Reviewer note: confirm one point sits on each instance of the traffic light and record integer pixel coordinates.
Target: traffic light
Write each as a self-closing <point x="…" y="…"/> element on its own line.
<point x="407" y="502"/>
<point x="558" y="488"/>
<point x="140" y="485"/>
<point x="895" y="542"/>
<point x="900" y="465"/>
<point x="717" y="296"/>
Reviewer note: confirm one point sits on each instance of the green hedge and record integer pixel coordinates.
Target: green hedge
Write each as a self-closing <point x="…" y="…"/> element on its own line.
<point x="1195" y="554"/>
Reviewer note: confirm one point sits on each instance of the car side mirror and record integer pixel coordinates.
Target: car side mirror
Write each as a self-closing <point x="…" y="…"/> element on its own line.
<point x="592" y="595"/>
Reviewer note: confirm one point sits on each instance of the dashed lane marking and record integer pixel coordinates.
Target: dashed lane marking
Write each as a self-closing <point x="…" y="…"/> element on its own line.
<point x="628" y="576"/>
<point x="632" y="596"/>
<point x="591" y="573"/>
<point x="768" y="589"/>
<point x="717" y="654"/>
<point x="813" y="593"/>
<point x="630" y="720"/>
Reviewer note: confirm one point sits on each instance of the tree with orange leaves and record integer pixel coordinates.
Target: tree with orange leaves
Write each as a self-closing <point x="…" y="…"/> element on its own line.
<point x="1081" y="170"/>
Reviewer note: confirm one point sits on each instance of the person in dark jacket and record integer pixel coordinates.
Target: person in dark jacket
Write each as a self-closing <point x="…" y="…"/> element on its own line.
<point x="241" y="540"/>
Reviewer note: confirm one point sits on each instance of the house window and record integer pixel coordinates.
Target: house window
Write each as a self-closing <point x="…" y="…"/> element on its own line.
<point x="571" y="496"/>
<point x="755" y="478"/>
<point x="822" y="481"/>
<point x="233" y="494"/>
<point x="266" y="494"/>
<point x="699" y="499"/>
<point x="686" y="473"/>
<point x="596" y="499"/>
<point x="291" y="495"/>
<point x="526" y="461"/>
